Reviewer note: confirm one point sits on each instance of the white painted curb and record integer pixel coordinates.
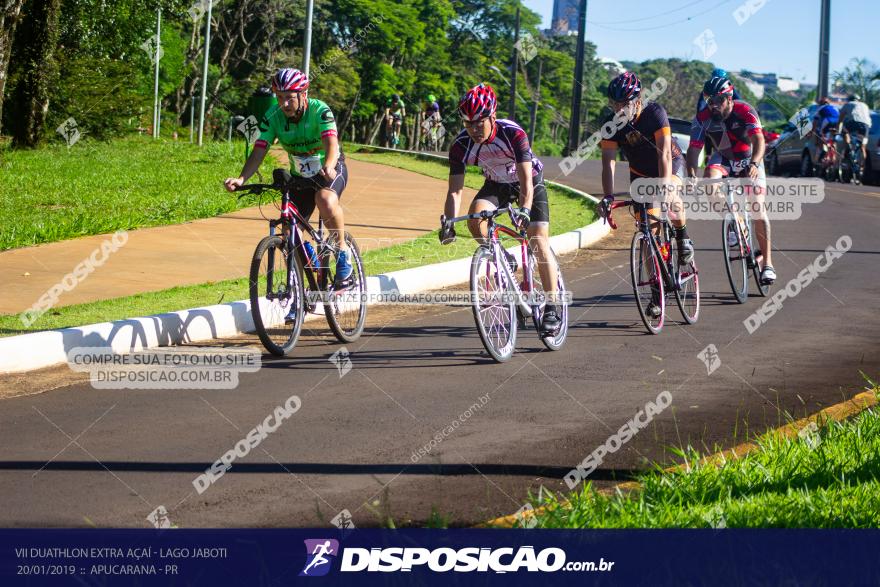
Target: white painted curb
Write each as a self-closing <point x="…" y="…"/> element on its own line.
<point x="26" y="352"/>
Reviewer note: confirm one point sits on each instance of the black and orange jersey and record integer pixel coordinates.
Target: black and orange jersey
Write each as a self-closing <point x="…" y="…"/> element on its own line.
<point x="638" y="141"/>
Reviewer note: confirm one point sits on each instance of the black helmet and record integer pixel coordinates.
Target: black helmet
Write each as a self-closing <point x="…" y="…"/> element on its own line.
<point x="717" y="86"/>
<point x="854" y="98"/>
<point x="625" y="88"/>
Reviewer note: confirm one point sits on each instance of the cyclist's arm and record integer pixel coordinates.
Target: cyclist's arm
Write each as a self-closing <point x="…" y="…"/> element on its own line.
<point x="526" y="186"/>
<point x="664" y="153"/>
<point x="453" y="196"/>
<point x="608" y="162"/>
<point x="695" y="146"/>
<point x="331" y="148"/>
<point x="250" y="167"/>
<point x="758" y="145"/>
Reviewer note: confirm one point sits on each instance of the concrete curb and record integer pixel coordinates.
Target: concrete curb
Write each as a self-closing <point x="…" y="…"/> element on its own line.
<point x="27" y="352"/>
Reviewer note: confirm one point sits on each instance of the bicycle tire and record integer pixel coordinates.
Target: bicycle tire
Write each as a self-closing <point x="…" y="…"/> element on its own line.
<point x="500" y="345"/>
<point x="763" y="289"/>
<point x="268" y="314"/>
<point x="334" y="309"/>
<point x="735" y="262"/>
<point x="687" y="294"/>
<point x="655" y="291"/>
<point x="555" y="342"/>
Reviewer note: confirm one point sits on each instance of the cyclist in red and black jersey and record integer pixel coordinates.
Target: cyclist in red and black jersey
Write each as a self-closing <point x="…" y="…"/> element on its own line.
<point x="646" y="139"/>
<point x="513" y="175"/>
<point x="734" y="130"/>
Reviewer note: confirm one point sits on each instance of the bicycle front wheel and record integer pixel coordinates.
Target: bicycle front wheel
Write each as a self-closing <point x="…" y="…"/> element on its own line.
<point x="763" y="288"/>
<point x="493" y="305"/>
<point x="555" y="342"/>
<point x="734" y="258"/>
<point x="687" y="295"/>
<point x="346" y="309"/>
<point x="276" y="294"/>
<point x="647" y="283"/>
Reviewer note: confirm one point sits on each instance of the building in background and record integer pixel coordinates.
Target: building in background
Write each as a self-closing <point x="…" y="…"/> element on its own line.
<point x="565" y="17"/>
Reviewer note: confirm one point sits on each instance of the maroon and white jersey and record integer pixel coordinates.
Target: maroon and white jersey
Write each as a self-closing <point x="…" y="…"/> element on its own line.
<point x="498" y="156"/>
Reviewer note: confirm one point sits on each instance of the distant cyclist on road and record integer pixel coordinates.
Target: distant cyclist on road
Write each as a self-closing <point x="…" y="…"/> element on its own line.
<point x="825" y="122"/>
<point x="646" y="140"/>
<point x="513" y="176"/>
<point x="432" y="122"/>
<point x="855" y="122"/>
<point x="734" y="129"/>
<point x="306" y="129"/>
<point x="395" y="112"/>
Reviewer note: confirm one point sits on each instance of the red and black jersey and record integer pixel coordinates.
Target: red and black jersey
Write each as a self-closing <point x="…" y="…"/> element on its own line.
<point x="731" y="136"/>
<point x="498" y="156"/>
<point x="638" y="141"/>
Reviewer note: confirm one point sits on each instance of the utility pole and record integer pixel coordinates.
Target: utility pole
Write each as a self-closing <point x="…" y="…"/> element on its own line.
<point x="156" y="107"/>
<point x="307" y="50"/>
<point x="205" y="73"/>
<point x="514" y="68"/>
<point x="536" y="104"/>
<point x="192" y="115"/>
<point x="574" y="127"/>
<point x="824" y="42"/>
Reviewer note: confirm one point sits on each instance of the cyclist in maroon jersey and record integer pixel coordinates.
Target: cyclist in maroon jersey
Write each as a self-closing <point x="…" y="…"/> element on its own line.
<point x="513" y="175"/>
<point x="734" y="129"/>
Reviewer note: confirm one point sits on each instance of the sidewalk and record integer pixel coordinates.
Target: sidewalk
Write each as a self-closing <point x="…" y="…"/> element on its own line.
<point x="383" y="206"/>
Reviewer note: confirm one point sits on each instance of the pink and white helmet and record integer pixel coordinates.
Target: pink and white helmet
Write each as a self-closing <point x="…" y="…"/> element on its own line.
<point x="289" y="80"/>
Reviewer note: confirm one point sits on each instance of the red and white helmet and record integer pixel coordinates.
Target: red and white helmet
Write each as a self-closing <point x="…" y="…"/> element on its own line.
<point x="289" y="80"/>
<point x="479" y="102"/>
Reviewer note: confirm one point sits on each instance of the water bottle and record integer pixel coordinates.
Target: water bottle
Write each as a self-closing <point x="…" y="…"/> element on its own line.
<point x="312" y="254"/>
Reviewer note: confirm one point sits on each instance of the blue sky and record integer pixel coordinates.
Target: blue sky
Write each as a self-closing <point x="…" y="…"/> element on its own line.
<point x="781" y="37"/>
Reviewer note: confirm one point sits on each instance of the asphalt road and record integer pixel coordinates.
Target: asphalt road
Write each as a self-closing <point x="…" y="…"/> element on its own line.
<point x="76" y="456"/>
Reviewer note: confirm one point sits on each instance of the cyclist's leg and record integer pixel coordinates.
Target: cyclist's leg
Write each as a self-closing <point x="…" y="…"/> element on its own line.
<point x="539" y="236"/>
<point x="327" y="201"/>
<point x="485" y="200"/>
<point x="756" y="197"/>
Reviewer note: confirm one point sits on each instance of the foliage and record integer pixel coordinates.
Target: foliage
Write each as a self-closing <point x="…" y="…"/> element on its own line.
<point x="860" y="77"/>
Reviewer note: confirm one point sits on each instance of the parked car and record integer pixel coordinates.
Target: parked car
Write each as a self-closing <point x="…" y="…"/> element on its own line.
<point x="872" y="163"/>
<point x="681" y="134"/>
<point x="794" y="150"/>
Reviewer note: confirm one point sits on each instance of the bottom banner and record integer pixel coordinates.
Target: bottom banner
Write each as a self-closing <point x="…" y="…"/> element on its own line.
<point x="440" y="557"/>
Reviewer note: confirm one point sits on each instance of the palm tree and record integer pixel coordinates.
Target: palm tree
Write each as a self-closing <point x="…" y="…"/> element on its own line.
<point x="860" y="77"/>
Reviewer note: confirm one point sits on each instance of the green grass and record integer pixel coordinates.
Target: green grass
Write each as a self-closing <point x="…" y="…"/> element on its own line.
<point x="55" y="193"/>
<point x="567" y="213"/>
<point x="788" y="482"/>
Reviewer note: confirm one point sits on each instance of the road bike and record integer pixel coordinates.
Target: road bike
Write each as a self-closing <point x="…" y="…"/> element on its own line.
<point x="851" y="162"/>
<point x="655" y="268"/>
<point x="432" y="134"/>
<point x="392" y="132"/>
<point x="501" y="302"/>
<point x="740" y="254"/>
<point x="290" y="277"/>
<point x="828" y="167"/>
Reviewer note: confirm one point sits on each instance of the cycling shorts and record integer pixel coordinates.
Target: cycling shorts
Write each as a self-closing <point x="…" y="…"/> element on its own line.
<point x="859" y="129"/>
<point x="304" y="189"/>
<point x="502" y="194"/>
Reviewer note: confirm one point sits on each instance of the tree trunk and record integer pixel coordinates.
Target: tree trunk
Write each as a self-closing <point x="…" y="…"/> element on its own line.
<point x="9" y="11"/>
<point x="39" y="32"/>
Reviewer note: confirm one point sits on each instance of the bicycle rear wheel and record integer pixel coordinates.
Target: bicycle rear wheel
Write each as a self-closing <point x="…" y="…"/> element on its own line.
<point x="763" y="289"/>
<point x="555" y="342"/>
<point x="735" y="259"/>
<point x="493" y="305"/>
<point x="687" y="296"/>
<point x="346" y="309"/>
<point x="273" y="299"/>
<point x="647" y="282"/>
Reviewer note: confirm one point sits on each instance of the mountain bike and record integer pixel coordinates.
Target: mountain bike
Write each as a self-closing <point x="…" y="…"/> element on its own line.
<point x="392" y="132"/>
<point x="289" y="277"/>
<point x="432" y="134"/>
<point x="500" y="301"/>
<point x="655" y="269"/>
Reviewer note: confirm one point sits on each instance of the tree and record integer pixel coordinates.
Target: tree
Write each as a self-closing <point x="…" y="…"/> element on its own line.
<point x="860" y="77"/>
<point x="9" y="11"/>
<point x="35" y="42"/>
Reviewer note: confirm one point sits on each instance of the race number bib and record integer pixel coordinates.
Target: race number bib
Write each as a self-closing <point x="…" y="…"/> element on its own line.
<point x="307" y="166"/>
<point x="736" y="166"/>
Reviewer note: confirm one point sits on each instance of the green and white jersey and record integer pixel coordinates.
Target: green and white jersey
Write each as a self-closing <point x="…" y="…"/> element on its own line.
<point x="302" y="140"/>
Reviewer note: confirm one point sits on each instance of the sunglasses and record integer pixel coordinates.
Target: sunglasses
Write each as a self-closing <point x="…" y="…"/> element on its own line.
<point x="718" y="100"/>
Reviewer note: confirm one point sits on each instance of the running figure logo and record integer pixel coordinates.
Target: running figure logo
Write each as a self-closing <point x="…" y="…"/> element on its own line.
<point x="318" y="560"/>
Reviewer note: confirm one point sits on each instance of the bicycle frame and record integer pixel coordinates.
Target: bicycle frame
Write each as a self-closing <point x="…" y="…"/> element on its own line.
<point x="670" y="274"/>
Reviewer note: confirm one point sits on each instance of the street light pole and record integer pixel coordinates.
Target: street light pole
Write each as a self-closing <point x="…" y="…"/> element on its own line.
<point x="536" y="104"/>
<point x="205" y="73"/>
<point x="574" y="127"/>
<point x="307" y="50"/>
<point x="156" y="108"/>
<point x="514" y="68"/>
<point x="824" y="41"/>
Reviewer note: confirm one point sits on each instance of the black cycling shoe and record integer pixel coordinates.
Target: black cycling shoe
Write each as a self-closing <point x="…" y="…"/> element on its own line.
<point x="653" y="310"/>
<point x="686" y="251"/>
<point x="551" y="322"/>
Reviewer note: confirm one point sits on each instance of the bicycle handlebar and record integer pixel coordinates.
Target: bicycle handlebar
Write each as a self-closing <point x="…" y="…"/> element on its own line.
<point x="484" y="215"/>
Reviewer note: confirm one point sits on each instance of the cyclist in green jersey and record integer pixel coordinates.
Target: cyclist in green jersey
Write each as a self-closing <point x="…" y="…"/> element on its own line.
<point x="306" y="129"/>
<point x="395" y="112"/>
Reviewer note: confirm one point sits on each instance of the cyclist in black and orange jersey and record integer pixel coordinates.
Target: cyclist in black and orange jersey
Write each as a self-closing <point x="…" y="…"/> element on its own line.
<point x="646" y="140"/>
